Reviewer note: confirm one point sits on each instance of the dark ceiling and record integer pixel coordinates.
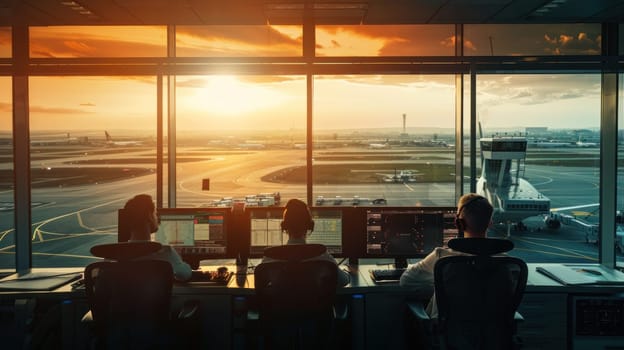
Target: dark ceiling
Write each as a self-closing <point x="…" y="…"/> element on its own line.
<point x="123" y="12"/>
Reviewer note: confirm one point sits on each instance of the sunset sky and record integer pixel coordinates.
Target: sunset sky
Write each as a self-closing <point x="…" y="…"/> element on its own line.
<point x="278" y="102"/>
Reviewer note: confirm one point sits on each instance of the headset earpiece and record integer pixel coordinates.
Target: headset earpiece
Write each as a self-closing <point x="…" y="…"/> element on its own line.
<point x="458" y="223"/>
<point x="311" y="225"/>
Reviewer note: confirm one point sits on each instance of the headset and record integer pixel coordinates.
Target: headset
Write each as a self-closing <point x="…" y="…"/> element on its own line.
<point x="285" y="224"/>
<point x="460" y="222"/>
<point x="296" y="209"/>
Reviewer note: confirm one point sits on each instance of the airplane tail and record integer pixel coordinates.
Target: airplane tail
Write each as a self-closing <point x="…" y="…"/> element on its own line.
<point x="480" y="137"/>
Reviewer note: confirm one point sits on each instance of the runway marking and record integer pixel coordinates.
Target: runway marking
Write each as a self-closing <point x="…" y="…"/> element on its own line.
<point x="90" y="257"/>
<point x="549" y="180"/>
<point x="557" y="254"/>
<point x="557" y="248"/>
<point x="62" y="236"/>
<point x="552" y="239"/>
<point x="6" y="232"/>
<point x="39" y="225"/>
<point x="409" y="187"/>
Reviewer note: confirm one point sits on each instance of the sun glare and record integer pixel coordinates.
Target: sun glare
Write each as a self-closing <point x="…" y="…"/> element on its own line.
<point x="227" y="95"/>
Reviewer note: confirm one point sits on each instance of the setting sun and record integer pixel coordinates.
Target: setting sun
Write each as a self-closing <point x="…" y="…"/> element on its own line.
<point x="225" y="94"/>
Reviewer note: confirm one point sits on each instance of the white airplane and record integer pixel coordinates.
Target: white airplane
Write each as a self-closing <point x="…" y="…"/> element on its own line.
<point x="583" y="144"/>
<point x="251" y="146"/>
<point x="548" y="144"/>
<point x="402" y="176"/>
<point x="378" y="145"/>
<point x="578" y="219"/>
<point x="111" y="142"/>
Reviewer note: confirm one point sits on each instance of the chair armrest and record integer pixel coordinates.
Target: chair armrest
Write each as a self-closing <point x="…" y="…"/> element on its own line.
<point x="189" y="309"/>
<point x="253" y="315"/>
<point x="417" y="309"/>
<point x="341" y="311"/>
<point x="87" y="318"/>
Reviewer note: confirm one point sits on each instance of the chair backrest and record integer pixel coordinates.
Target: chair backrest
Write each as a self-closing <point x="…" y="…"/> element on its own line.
<point x="296" y="289"/>
<point x="129" y="299"/>
<point x="295" y="303"/>
<point x="477" y="297"/>
<point x="295" y="252"/>
<point x="125" y="250"/>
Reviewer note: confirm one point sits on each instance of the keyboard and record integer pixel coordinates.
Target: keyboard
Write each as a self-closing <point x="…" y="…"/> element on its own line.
<point x="213" y="277"/>
<point x="386" y="275"/>
<point x="79" y="284"/>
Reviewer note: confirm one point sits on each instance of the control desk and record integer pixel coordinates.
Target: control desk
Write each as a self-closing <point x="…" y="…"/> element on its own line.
<point x="556" y="316"/>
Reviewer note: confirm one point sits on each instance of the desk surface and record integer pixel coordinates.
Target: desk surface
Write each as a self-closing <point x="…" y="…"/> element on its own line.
<point x="361" y="282"/>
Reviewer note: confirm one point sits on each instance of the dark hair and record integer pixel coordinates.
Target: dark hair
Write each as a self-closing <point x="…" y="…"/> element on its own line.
<point x="139" y="209"/>
<point x="297" y="219"/>
<point x="476" y="211"/>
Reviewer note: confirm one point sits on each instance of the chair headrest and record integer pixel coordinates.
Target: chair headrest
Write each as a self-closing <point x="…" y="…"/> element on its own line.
<point x="295" y="252"/>
<point x="481" y="246"/>
<point x="125" y="250"/>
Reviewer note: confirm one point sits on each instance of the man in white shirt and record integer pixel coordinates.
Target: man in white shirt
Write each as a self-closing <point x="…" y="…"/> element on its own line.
<point x="474" y="217"/>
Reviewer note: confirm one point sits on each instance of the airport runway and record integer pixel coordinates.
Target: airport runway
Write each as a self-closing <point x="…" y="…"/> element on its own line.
<point x="68" y="221"/>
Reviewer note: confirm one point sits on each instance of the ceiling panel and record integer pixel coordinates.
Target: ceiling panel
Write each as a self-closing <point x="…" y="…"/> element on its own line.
<point x="403" y="11"/>
<point x="93" y="12"/>
<point x="465" y="13"/>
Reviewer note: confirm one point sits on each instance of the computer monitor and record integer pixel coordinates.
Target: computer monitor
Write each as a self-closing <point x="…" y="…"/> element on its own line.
<point x="266" y="230"/>
<point x="196" y="233"/>
<point x="403" y="233"/>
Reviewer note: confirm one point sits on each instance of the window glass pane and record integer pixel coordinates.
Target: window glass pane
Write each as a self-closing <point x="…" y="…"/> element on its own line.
<point x="385" y="40"/>
<point x="238" y="41"/>
<point x="536" y="39"/>
<point x="7" y="211"/>
<point x="384" y="139"/>
<point x="246" y="134"/>
<point x="92" y="149"/>
<point x="467" y="179"/>
<point x="557" y="118"/>
<point x="5" y="42"/>
<point x="94" y="41"/>
<point x="621" y="38"/>
<point x="619" y="233"/>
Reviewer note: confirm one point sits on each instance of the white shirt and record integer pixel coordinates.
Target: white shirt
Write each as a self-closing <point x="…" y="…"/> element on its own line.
<point x="181" y="270"/>
<point x="420" y="275"/>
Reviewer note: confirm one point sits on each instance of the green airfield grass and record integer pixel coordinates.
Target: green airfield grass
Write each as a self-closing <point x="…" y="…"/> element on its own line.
<point x="361" y="173"/>
<point x="361" y="169"/>
<point x="64" y="177"/>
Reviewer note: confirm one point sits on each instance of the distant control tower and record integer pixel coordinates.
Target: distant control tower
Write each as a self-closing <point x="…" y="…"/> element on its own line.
<point x="404" y="133"/>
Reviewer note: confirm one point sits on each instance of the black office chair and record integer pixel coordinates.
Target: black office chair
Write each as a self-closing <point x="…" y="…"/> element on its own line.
<point x="295" y="298"/>
<point x="477" y="297"/>
<point x="130" y="300"/>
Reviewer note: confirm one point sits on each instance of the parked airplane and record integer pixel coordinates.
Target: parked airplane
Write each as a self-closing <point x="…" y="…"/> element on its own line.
<point x="581" y="143"/>
<point x="548" y="144"/>
<point x="251" y="145"/>
<point x="402" y="176"/>
<point x="111" y="142"/>
<point x="378" y="145"/>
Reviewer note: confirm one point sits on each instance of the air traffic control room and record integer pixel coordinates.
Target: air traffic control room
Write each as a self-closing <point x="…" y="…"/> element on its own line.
<point x="379" y="115"/>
